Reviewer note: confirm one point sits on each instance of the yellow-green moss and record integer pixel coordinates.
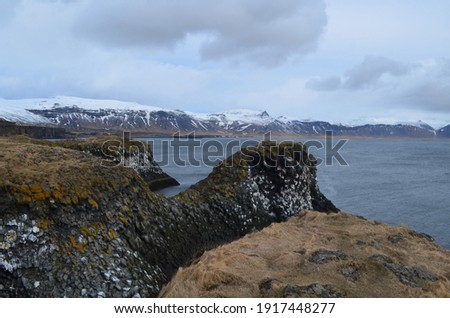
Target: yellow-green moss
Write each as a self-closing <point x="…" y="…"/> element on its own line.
<point x="35" y="188"/>
<point x="86" y="231"/>
<point x="45" y="223"/>
<point x="75" y="246"/>
<point x="93" y="203"/>
<point x="123" y="219"/>
<point x="28" y="194"/>
<point x="25" y="199"/>
<point x="110" y="235"/>
<point x="41" y="196"/>
<point x="57" y="195"/>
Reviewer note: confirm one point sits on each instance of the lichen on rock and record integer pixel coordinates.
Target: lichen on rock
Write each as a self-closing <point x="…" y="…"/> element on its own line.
<point x="71" y="226"/>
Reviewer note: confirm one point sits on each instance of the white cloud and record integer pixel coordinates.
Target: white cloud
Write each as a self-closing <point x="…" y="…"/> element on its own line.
<point x="177" y="54"/>
<point x="389" y="92"/>
<point x="165" y="84"/>
<point x="260" y="31"/>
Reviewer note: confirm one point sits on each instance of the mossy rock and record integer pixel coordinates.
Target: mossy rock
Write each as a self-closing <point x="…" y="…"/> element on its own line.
<point x="77" y="228"/>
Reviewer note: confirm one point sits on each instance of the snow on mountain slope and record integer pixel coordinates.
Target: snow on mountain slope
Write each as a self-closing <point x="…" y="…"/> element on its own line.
<point x="61" y="110"/>
<point x="15" y="111"/>
<point x="391" y="121"/>
<point x="82" y="113"/>
<point x="18" y="110"/>
<point x="418" y="124"/>
<point x="239" y="116"/>
<point x="70" y="101"/>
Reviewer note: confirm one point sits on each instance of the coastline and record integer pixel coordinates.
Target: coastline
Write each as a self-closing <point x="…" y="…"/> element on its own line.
<point x="72" y="227"/>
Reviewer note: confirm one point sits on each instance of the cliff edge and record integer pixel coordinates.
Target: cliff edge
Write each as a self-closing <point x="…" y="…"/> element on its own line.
<point x="73" y="226"/>
<point x="320" y="255"/>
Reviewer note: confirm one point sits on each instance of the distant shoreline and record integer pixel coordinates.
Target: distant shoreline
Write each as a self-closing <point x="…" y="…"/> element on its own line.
<point x="56" y="132"/>
<point x="289" y="137"/>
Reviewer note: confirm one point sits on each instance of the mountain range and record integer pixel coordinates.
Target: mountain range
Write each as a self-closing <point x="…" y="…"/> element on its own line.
<point x="80" y="114"/>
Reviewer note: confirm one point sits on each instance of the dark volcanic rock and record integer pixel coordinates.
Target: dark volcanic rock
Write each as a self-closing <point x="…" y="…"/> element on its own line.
<point x="395" y="238"/>
<point x="73" y="226"/>
<point x="40" y="132"/>
<point x="313" y="290"/>
<point x="323" y="256"/>
<point x="410" y="275"/>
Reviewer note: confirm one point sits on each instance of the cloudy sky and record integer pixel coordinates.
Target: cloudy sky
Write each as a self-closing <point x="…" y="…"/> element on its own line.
<point x="336" y="60"/>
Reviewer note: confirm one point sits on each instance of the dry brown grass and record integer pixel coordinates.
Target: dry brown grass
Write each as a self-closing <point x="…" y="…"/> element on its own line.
<point x="37" y="172"/>
<point x="282" y="254"/>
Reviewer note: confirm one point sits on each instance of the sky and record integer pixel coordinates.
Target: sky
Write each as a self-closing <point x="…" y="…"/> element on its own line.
<point x="344" y="61"/>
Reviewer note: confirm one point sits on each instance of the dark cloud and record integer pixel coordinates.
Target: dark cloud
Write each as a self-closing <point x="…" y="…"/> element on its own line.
<point x="265" y="32"/>
<point x="423" y="86"/>
<point x="431" y="96"/>
<point x="370" y="71"/>
<point x="431" y="91"/>
<point x="365" y="75"/>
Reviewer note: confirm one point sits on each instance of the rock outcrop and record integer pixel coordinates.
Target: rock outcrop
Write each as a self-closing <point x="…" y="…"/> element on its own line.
<point x="123" y="151"/>
<point x="8" y="128"/>
<point x="320" y="255"/>
<point x="73" y="226"/>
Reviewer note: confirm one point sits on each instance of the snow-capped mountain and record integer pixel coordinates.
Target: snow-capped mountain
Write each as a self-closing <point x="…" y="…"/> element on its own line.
<point x="444" y="132"/>
<point x="239" y="116"/>
<point x="76" y="113"/>
<point x="15" y="111"/>
<point x="419" y="124"/>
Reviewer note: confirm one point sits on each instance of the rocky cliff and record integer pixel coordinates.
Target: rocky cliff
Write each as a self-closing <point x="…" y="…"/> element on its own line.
<point x="73" y="226"/>
<point x="320" y="255"/>
<point x="8" y="128"/>
<point x="122" y="151"/>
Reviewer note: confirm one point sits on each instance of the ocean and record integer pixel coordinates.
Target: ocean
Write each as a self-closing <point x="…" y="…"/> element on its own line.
<point x="399" y="182"/>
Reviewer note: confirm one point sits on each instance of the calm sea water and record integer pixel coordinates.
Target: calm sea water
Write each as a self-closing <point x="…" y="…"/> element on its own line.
<point x="397" y="182"/>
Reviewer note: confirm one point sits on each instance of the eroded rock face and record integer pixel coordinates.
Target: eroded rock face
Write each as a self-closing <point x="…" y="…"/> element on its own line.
<point x="63" y="219"/>
<point x="319" y="255"/>
<point x="8" y="128"/>
<point x="123" y="151"/>
<point x="72" y="226"/>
